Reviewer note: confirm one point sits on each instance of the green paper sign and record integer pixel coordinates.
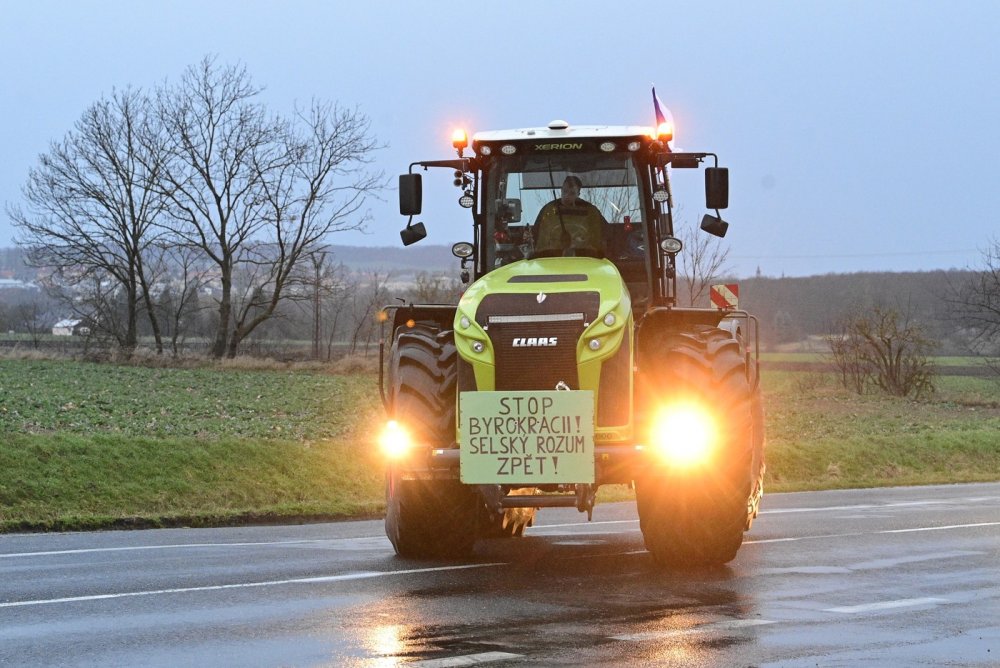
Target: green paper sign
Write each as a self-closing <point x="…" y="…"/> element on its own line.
<point x="526" y="437"/>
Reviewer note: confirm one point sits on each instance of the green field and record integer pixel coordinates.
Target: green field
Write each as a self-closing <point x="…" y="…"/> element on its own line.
<point x="89" y="445"/>
<point x="98" y="445"/>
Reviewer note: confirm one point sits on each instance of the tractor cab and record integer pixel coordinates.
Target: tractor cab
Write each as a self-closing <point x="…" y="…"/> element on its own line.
<point x="516" y="176"/>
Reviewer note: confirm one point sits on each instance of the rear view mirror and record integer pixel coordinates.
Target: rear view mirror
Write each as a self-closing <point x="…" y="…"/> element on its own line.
<point x="716" y="187"/>
<point x="410" y="195"/>
<point x="412" y="233"/>
<point x="714" y="225"/>
<point x="510" y="210"/>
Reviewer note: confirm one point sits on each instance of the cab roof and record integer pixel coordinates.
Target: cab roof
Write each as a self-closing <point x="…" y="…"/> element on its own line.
<point x="563" y="130"/>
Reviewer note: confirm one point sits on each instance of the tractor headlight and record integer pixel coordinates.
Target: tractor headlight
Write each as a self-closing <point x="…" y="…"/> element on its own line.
<point x="604" y="335"/>
<point x="395" y="440"/>
<point x="684" y="434"/>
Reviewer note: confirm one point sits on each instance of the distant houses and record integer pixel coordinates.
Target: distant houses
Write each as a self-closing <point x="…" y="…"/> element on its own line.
<point x="14" y="284"/>
<point x="70" y="327"/>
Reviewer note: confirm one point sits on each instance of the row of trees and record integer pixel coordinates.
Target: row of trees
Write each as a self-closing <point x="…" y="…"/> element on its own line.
<point x="334" y="312"/>
<point x="190" y="186"/>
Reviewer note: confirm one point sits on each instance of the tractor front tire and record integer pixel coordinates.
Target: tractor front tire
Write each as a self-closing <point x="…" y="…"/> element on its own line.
<point x="697" y="518"/>
<point x="427" y="518"/>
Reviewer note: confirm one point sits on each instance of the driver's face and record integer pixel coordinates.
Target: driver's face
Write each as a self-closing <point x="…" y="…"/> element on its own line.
<point x="569" y="192"/>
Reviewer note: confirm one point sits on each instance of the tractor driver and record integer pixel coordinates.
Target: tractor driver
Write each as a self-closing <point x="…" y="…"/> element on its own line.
<point x="569" y="225"/>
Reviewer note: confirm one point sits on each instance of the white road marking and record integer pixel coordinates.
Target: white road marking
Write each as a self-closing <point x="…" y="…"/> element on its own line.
<point x="944" y="528"/>
<point x="865" y="506"/>
<point x="805" y="570"/>
<point x="133" y="548"/>
<point x="465" y="660"/>
<point x="869" y="533"/>
<point x="887" y="605"/>
<point x="725" y="625"/>
<point x="361" y="575"/>
<point x="817" y="509"/>
<point x="776" y="540"/>
<point x="912" y="559"/>
<point x="866" y="565"/>
<point x="182" y="546"/>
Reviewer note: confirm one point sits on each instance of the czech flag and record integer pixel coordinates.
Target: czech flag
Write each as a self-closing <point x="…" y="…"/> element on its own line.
<point x="664" y="120"/>
<point x="660" y="116"/>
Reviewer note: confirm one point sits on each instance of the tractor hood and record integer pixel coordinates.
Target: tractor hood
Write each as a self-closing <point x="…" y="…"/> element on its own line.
<point x="544" y="305"/>
<point x="549" y="276"/>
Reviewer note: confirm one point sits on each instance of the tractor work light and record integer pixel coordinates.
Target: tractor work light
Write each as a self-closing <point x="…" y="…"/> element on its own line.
<point x="671" y="245"/>
<point x="665" y="131"/>
<point x="395" y="441"/>
<point x="459" y="139"/>
<point x="684" y="435"/>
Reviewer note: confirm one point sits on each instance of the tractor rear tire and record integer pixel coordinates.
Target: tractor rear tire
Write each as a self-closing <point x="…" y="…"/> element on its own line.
<point x="427" y="518"/>
<point x="698" y="518"/>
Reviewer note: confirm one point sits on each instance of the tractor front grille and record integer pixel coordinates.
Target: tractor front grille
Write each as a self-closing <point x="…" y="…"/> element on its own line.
<point x="536" y="352"/>
<point x="535" y="337"/>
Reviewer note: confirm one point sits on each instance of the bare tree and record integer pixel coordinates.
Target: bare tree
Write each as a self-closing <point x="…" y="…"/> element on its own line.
<point x="329" y="286"/>
<point x="319" y="188"/>
<point x="881" y="349"/>
<point x="976" y="304"/>
<point x="180" y="270"/>
<point x="90" y="207"/>
<point x="366" y="303"/>
<point x="702" y="261"/>
<point x="434" y="289"/>
<point x="318" y="265"/>
<point x="32" y="317"/>
<point x="257" y="192"/>
<point x="340" y="285"/>
<point x="218" y="138"/>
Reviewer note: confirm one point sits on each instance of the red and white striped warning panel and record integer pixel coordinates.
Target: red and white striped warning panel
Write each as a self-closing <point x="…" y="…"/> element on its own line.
<point x="726" y="296"/>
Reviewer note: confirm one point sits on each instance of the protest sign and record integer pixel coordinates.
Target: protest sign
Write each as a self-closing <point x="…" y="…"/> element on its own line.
<point x="526" y="437"/>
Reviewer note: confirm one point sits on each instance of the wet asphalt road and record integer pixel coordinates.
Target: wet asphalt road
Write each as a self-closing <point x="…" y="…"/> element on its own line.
<point x="907" y="576"/>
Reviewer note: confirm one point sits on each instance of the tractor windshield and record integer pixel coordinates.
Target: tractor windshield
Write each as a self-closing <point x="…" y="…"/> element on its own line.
<point x="529" y="197"/>
<point x="582" y="204"/>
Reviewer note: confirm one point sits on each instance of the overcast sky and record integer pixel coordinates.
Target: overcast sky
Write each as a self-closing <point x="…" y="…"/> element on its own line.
<point x="859" y="135"/>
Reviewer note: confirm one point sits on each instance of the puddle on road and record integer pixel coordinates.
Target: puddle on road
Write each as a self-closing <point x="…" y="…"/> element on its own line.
<point x="537" y="615"/>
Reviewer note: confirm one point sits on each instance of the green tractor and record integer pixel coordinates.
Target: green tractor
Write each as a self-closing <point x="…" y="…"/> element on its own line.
<point x="568" y="363"/>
